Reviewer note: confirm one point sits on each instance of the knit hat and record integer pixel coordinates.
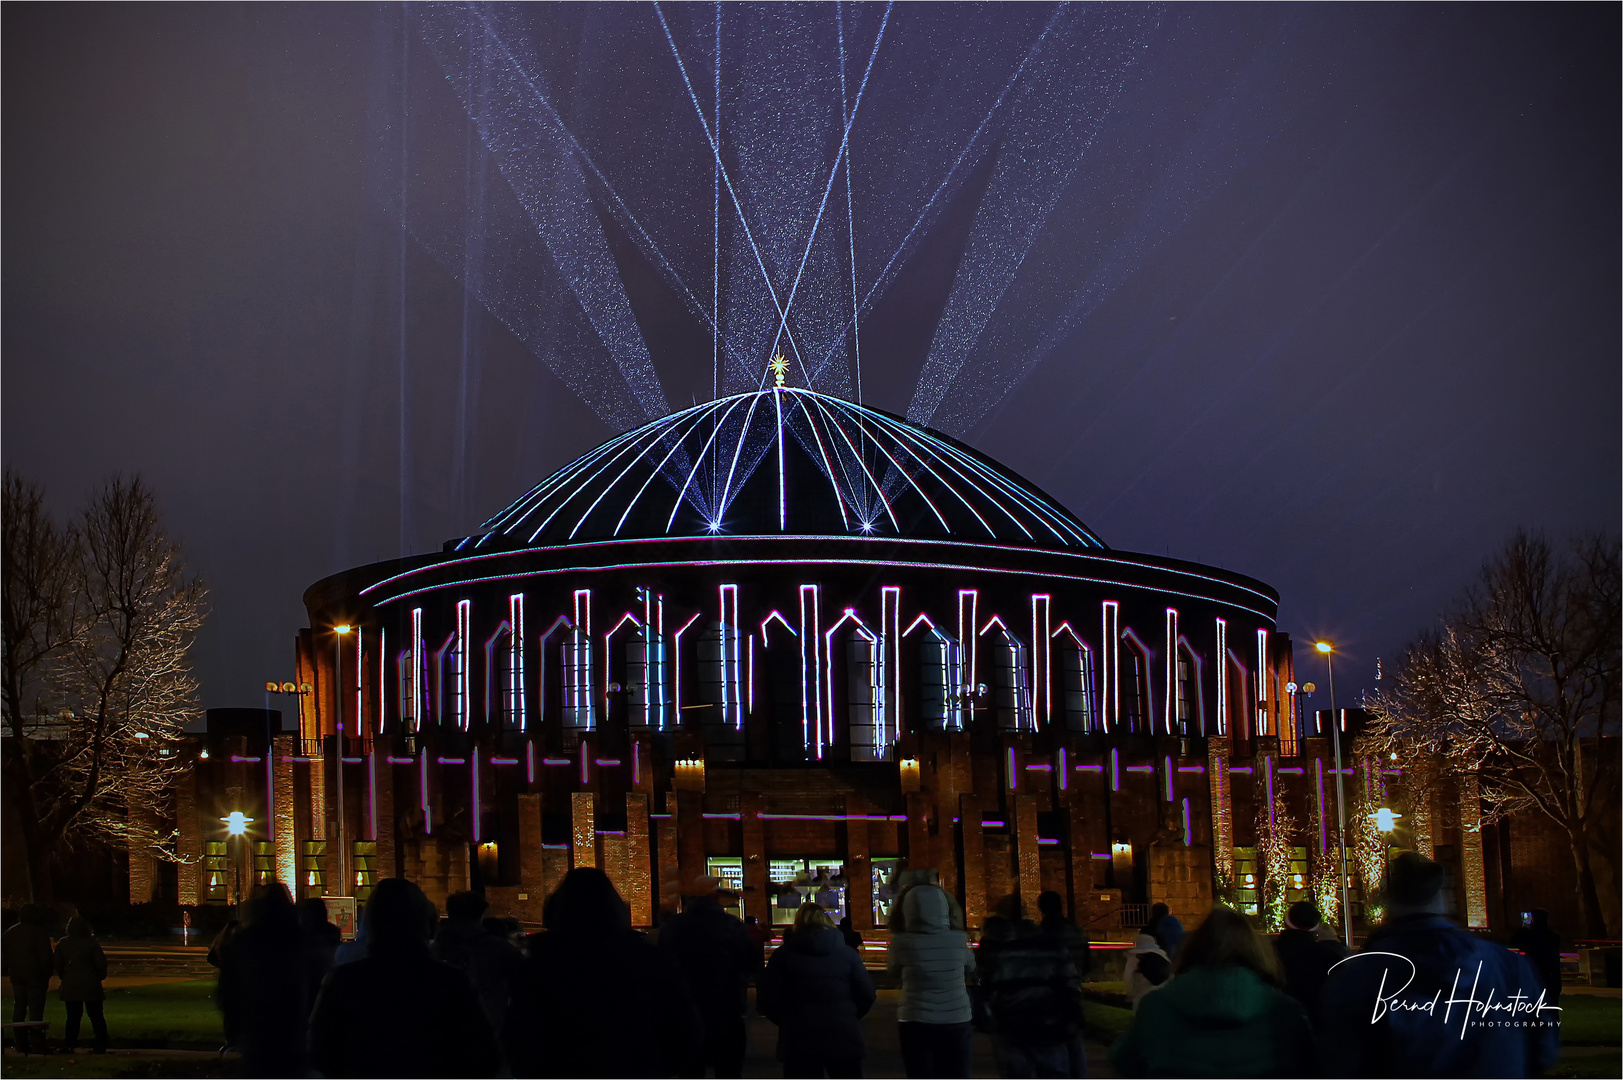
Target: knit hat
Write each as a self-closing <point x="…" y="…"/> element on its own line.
<point x="1414" y="881"/>
<point x="1302" y="916"/>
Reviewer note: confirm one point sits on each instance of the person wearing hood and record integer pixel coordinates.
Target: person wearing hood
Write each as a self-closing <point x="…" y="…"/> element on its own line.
<point x="264" y="986"/>
<point x="717" y="956"/>
<point x="1147" y="968"/>
<point x="933" y="958"/>
<point x="398" y="1011"/>
<point x="487" y="959"/>
<point x="1221" y="1014"/>
<point x="1418" y="958"/>
<point x="81" y="966"/>
<point x="817" y="992"/>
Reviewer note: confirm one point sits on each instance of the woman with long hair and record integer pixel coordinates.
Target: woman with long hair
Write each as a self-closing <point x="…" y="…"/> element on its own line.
<point x="817" y="992"/>
<point x="1221" y="1014"/>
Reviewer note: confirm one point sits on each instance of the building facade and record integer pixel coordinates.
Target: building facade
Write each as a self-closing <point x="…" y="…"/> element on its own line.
<point x="796" y="643"/>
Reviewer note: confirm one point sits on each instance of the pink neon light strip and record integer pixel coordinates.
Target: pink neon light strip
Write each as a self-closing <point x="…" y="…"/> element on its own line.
<point x="1063" y="771"/>
<point x="993" y="824"/>
<point x="372" y="795"/>
<point x="504" y="761"/>
<point x="529" y="762"/>
<point x="1099" y="855"/>
<point x="1192" y="768"/>
<point x="353" y="760"/>
<point x="428" y="813"/>
<point x="1039" y="768"/>
<point x="636" y="763"/>
<point x="1090" y="768"/>
<point x="1014" y="776"/>
<point x="557" y="761"/>
<point x="474" y="795"/>
<point x="452" y="760"/>
<point x="1246" y="769"/>
<point x="606" y="761"/>
<point x="1141" y="768"/>
<point x="723" y="817"/>
<point x="1168" y="767"/>
<point x="392" y="760"/>
<point x="1291" y="772"/>
<point x="239" y="758"/>
<point x="1045" y="840"/>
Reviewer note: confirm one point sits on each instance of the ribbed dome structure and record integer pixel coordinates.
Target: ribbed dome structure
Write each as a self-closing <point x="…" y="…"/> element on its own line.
<point x="783" y="461"/>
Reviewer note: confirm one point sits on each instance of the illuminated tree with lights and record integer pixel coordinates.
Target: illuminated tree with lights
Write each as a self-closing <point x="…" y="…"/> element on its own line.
<point x="1519" y="687"/>
<point x="1367" y="854"/>
<point x="98" y="620"/>
<point x="1274" y="833"/>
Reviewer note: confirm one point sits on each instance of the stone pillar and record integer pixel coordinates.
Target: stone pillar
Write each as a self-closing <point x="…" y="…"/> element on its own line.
<point x="532" y="882"/>
<point x="384" y="829"/>
<point x="669" y="867"/>
<point x="858" y="865"/>
<point x="1476" y="881"/>
<point x="1217" y="781"/>
<point x="143" y="867"/>
<point x="969" y="814"/>
<point x="689" y="838"/>
<point x="189" y="845"/>
<point x="1025" y="852"/>
<point x="283" y="832"/>
<point x="1080" y="882"/>
<point x="919" y="855"/>
<point x="583" y="822"/>
<point x="639" y="874"/>
<point x="755" y="898"/>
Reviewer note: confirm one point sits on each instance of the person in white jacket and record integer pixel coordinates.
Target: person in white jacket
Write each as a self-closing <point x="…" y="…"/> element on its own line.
<point x="934" y="959"/>
<point x="1146" y="969"/>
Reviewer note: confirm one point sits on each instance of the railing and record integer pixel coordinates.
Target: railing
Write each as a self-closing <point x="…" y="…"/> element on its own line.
<point x="1132" y="916"/>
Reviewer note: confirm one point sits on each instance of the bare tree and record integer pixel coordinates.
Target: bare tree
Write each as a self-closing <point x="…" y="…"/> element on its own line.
<point x="115" y="674"/>
<point x="1520" y="687"/>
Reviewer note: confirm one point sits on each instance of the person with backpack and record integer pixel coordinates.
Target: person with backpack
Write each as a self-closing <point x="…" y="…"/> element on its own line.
<point x="1033" y="994"/>
<point x="1147" y="968"/>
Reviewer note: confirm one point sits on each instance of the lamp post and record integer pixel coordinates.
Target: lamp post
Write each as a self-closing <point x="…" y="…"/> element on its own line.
<point x="1386" y="823"/>
<point x="236" y="829"/>
<point x="340" y="632"/>
<point x="1341" y="797"/>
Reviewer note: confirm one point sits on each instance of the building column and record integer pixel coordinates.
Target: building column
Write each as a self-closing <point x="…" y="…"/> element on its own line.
<point x="689" y="839"/>
<point x="919" y="855"/>
<point x="969" y="814"/>
<point x="383" y="829"/>
<point x="532" y="882"/>
<point x="858" y="865"/>
<point x="639" y="870"/>
<point x="1217" y="781"/>
<point x="143" y="867"/>
<point x="285" y="842"/>
<point x="1476" y="881"/>
<point x="189" y="846"/>
<point x="755" y="900"/>
<point x="583" y="829"/>
<point x="1025" y="851"/>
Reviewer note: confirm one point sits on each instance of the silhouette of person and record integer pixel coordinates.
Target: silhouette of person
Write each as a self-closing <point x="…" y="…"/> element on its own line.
<point x="263" y="991"/>
<point x="81" y="966"/>
<point x="465" y="941"/>
<point x="717" y="956"/>
<point x="25" y="956"/>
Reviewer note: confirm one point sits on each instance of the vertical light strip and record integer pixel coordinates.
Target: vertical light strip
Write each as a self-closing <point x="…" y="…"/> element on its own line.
<point x="460" y="670"/>
<point x="529" y="762"/>
<point x="890" y="667"/>
<point x="517" y="706"/>
<point x="1263" y="727"/>
<point x="1115" y="769"/>
<point x="1222" y="677"/>
<point x="676" y="667"/>
<point x="636" y="762"/>
<point x="360" y="682"/>
<point x="473" y="799"/>
<point x="1268" y="772"/>
<point x="372" y="794"/>
<point x="968" y="599"/>
<point x="1042" y="657"/>
<point x="418" y="663"/>
<point x="1064" y="772"/>
<point x="811" y="672"/>
<point x="584" y="759"/>
<point x="581" y="669"/>
<point x="1188" y="832"/>
<point x="783" y="508"/>
<point x="1014" y="775"/>
<point x="749" y="675"/>
<point x="383" y="678"/>
<point x="667" y="660"/>
<point x="732" y="709"/>
<point x="1166" y="766"/>
<point x="1110" y="661"/>
<point x="1174" y="693"/>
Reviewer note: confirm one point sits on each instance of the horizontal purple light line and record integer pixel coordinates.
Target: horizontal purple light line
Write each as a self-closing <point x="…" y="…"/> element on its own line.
<point x="993" y="824"/>
<point x="1141" y="768"/>
<point x="1192" y="768"/>
<point x="1097" y="855"/>
<point x="240" y="757"/>
<point x="607" y="760"/>
<point x="504" y="761"/>
<point x="1045" y="840"/>
<point x="1291" y="771"/>
<point x="723" y="817"/>
<point x="611" y="832"/>
<point x="452" y="760"/>
<point x="353" y="760"/>
<point x="1038" y="768"/>
<point x="1240" y="769"/>
<point x="556" y="761"/>
<point x="392" y="760"/>
<point x="659" y="815"/>
<point x="554" y="847"/>
<point x="290" y="757"/>
<point x="1090" y="768"/>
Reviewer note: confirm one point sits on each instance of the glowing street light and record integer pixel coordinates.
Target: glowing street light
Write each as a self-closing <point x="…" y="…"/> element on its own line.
<point x="1386" y="820"/>
<point x="236" y="828"/>
<point x="1325" y="649"/>
<point x="236" y="823"/>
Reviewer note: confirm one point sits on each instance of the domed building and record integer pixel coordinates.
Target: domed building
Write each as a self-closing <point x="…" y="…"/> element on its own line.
<point x="794" y="643"/>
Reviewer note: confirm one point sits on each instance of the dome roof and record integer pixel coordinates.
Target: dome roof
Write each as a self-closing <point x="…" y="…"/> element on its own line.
<point x="783" y="461"/>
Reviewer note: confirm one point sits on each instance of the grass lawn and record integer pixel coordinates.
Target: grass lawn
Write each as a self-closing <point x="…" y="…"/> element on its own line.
<point x="1589" y="1020"/>
<point x="178" y="1015"/>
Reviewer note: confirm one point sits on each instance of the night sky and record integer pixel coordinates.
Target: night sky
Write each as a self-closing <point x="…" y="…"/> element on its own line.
<point x="1325" y="294"/>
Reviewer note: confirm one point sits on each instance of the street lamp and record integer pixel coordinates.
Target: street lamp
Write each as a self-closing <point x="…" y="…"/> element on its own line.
<point x="236" y="828"/>
<point x="1341" y="796"/>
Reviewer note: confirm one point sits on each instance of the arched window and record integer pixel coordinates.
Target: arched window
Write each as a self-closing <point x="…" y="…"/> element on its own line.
<point x="577" y="672"/>
<point x="1078" y="688"/>
<point x="937" y="710"/>
<point x="1239" y="698"/>
<point x="1137" y="712"/>
<point x="862" y="696"/>
<point x="500" y="705"/>
<point x="1189" y="711"/>
<point x="720" y="689"/>
<point x="1010" y="697"/>
<point x="648" y="692"/>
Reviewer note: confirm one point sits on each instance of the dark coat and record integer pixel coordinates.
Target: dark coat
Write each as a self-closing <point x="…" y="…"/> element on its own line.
<point x="1075" y="940"/>
<point x="1306" y="960"/>
<point x="600" y="1004"/>
<point x="1434" y="959"/>
<point x="716" y="954"/>
<point x="263" y="994"/>
<point x="80" y="963"/>
<point x="1031" y="988"/>
<point x="401" y="1013"/>
<point x="817" y="992"/>
<point x="1542" y="947"/>
<point x="1222" y="1021"/>
<point x="25" y="954"/>
<point x="491" y="963"/>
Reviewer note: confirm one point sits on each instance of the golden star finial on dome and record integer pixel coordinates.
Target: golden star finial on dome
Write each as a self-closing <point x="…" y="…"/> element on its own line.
<point x="778" y="366"/>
